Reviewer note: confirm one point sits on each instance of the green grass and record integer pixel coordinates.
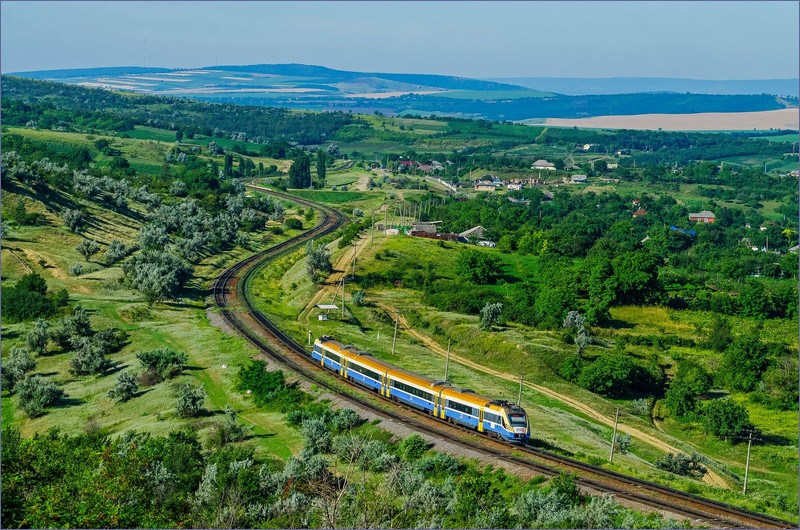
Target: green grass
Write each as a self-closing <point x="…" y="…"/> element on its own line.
<point x="184" y="325"/>
<point x="331" y="197"/>
<point x="141" y="132"/>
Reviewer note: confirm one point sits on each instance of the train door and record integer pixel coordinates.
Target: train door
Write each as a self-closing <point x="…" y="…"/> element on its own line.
<point x="385" y="385"/>
<point x="480" y="420"/>
<point x="343" y="367"/>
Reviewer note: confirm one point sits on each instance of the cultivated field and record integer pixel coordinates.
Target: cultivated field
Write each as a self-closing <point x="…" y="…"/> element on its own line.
<point x="706" y="121"/>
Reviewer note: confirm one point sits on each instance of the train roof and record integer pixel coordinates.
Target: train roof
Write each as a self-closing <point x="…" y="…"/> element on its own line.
<point x="467" y="396"/>
<point x="419" y="380"/>
<point x="361" y="357"/>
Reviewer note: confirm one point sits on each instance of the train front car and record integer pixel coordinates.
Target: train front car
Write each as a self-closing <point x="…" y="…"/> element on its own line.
<point x="517" y="423"/>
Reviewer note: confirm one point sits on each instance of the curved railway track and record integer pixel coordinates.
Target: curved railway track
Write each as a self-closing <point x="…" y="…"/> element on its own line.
<point x="232" y="298"/>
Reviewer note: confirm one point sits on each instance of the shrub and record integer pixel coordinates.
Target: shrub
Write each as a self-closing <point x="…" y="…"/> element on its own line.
<point x="317" y="436"/>
<point x="345" y="420"/>
<point x="115" y="252"/>
<point x="35" y="393"/>
<point x="478" y="267"/>
<point x="413" y="447"/>
<point x="17" y="364"/>
<point x="680" y="464"/>
<point x="611" y="375"/>
<point x="743" y="363"/>
<point x="73" y="219"/>
<point x="124" y="388"/>
<point x="358" y="297"/>
<point x="571" y="368"/>
<point x="87" y="249"/>
<point x="190" y="401"/>
<point x="27" y="299"/>
<point x="439" y="464"/>
<point x="490" y="315"/>
<point x="38" y="337"/>
<point x="293" y="223"/>
<point x="725" y="418"/>
<point x="268" y="388"/>
<point x="88" y="358"/>
<point x="230" y="430"/>
<point x="164" y="362"/>
<point x="76" y="269"/>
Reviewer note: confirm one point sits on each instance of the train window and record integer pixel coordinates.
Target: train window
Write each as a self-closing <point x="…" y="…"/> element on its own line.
<point x="366" y="371"/>
<point x="412" y="390"/>
<point x="333" y="357"/>
<point x="466" y="409"/>
<point x="494" y="418"/>
<point x="518" y="420"/>
<point x="317" y="348"/>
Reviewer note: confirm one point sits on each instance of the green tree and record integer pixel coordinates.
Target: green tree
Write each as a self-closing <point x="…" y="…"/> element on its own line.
<point x="190" y="401"/>
<point x="321" y="169"/>
<point x="38" y="337"/>
<point x="725" y="418"/>
<point x="720" y="335"/>
<point x="18" y="363"/>
<point x="300" y="172"/>
<point x="165" y="363"/>
<point x="87" y="248"/>
<point x="478" y="267"/>
<point x="636" y="278"/>
<point x="36" y="393"/>
<point x="490" y="315"/>
<point x="124" y="388"/>
<point x="319" y="259"/>
<point x="158" y="275"/>
<point x="744" y="362"/>
<point x="612" y="375"/>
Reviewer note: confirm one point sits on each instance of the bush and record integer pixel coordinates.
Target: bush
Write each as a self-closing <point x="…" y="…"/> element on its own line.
<point x="76" y="269"/>
<point x="680" y="464"/>
<point x="413" y="447"/>
<point x="87" y="249"/>
<point x="440" y="465"/>
<point x="231" y="430"/>
<point x="743" y="363"/>
<point x="293" y="223"/>
<point x="115" y="252"/>
<point x="490" y="315"/>
<point x="36" y="393"/>
<point x="345" y="420"/>
<point x="124" y="388"/>
<point x="166" y="363"/>
<point x="478" y="267"/>
<point x="38" y="337"/>
<point x="358" y="297"/>
<point x="571" y="368"/>
<point x="27" y="299"/>
<point x="268" y="388"/>
<point x="73" y="219"/>
<point x="317" y="436"/>
<point x="88" y="358"/>
<point x="612" y="375"/>
<point x="724" y="418"/>
<point x="17" y="364"/>
<point x="190" y="401"/>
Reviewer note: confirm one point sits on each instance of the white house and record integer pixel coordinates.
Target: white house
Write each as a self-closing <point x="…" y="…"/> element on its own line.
<point x="543" y="164"/>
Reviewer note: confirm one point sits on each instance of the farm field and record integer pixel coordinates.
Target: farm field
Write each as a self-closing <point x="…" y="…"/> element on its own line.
<point x="710" y="121"/>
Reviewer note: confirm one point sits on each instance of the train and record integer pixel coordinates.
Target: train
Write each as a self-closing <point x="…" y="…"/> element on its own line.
<point x="496" y="418"/>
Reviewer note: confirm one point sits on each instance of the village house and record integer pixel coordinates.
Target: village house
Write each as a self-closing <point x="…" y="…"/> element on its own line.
<point x="425" y="168"/>
<point x="437" y="166"/>
<point x="639" y="213"/>
<point x="543" y="164"/>
<point x="484" y="185"/>
<point x="703" y="217"/>
<point x="514" y="186"/>
<point x="578" y="179"/>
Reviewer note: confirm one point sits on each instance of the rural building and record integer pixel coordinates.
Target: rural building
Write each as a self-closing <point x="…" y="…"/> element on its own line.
<point x="639" y="213"/>
<point x="437" y="166"/>
<point x="431" y="227"/>
<point x="612" y="165"/>
<point x="514" y="187"/>
<point x="485" y="185"/>
<point x="609" y="180"/>
<point x="543" y="164"/>
<point x="578" y="179"/>
<point x="489" y="244"/>
<point x="703" y="217"/>
<point x="426" y="168"/>
<point x="472" y="233"/>
<point x="548" y="195"/>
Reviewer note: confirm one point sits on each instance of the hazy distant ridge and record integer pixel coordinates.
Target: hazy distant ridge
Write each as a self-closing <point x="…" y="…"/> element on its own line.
<point x="582" y="86"/>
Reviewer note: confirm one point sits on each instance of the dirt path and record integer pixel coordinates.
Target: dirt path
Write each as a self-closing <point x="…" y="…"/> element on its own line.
<point x="363" y="183"/>
<point x="710" y="477"/>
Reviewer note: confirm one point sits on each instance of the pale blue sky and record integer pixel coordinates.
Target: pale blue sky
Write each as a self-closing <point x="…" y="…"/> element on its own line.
<point x="701" y="40"/>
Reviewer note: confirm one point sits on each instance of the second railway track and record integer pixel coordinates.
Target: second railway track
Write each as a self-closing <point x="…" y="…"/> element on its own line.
<point x="232" y="297"/>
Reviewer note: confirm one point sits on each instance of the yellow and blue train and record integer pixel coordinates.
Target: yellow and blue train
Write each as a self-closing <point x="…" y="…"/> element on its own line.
<point x="438" y="398"/>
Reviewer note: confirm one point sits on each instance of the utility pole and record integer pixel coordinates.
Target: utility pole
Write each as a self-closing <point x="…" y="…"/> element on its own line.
<point x="394" y="341"/>
<point x="309" y="337"/>
<point x="519" y="395"/>
<point x="447" y="360"/>
<point x="747" y="463"/>
<point x="373" y="227"/>
<point x="355" y="249"/>
<point x="614" y="436"/>
<point x="343" y="278"/>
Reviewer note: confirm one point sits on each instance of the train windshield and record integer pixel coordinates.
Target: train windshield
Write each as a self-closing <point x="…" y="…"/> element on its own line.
<point x="517" y="420"/>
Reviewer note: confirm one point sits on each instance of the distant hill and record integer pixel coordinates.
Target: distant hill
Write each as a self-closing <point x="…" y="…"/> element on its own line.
<point x="581" y="86"/>
<point x="302" y="86"/>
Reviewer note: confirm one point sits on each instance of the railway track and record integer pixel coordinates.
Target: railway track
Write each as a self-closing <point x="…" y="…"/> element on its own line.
<point x="232" y="297"/>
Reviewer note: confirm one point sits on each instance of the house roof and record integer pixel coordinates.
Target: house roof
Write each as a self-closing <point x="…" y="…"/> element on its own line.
<point x="639" y="213"/>
<point x="475" y="231"/>
<point x="704" y="213"/>
<point x="543" y="163"/>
